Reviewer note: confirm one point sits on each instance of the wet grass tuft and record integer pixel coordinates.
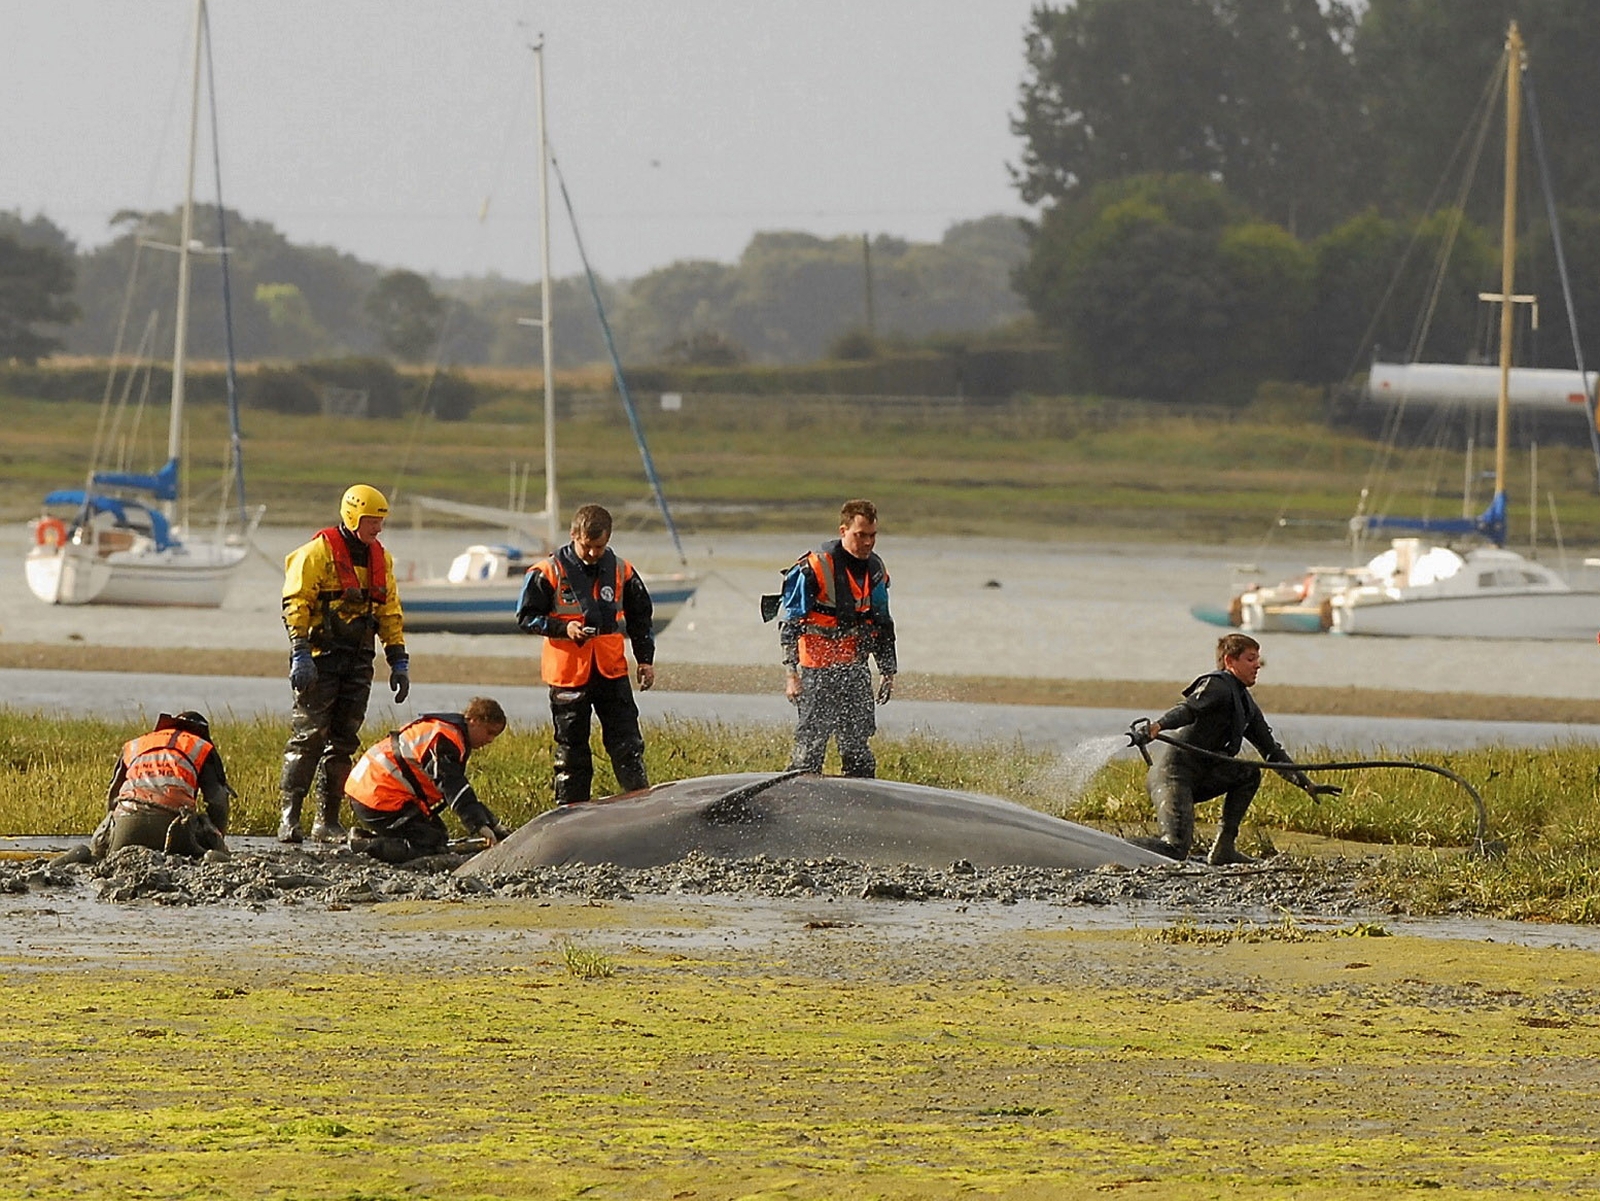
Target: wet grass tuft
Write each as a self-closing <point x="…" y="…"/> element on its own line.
<point x="586" y="963"/>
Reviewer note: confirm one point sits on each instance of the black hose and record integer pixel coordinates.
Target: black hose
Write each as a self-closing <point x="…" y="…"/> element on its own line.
<point x="1480" y="843"/>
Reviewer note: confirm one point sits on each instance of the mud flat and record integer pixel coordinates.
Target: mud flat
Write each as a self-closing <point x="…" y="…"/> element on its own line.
<point x="330" y="1028"/>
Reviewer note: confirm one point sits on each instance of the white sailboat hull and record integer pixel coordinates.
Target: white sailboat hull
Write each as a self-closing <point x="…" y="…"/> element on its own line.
<point x="1545" y="616"/>
<point x="180" y="576"/>
<point x="1490" y="592"/>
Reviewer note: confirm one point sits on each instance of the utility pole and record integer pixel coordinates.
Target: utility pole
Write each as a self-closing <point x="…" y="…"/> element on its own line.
<point x="866" y="272"/>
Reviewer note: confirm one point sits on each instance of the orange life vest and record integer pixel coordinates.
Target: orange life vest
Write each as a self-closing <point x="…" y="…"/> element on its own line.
<point x="163" y="768"/>
<point x="350" y="588"/>
<point x="566" y="664"/>
<point x="390" y="776"/>
<point x="830" y="631"/>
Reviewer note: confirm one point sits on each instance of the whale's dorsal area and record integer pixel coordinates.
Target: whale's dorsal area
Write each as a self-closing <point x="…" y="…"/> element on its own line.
<point x="794" y="816"/>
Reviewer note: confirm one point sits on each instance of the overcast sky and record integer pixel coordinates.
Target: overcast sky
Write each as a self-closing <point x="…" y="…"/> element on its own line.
<point x="380" y="126"/>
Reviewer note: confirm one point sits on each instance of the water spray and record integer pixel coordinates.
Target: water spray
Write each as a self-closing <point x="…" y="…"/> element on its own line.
<point x="1139" y="737"/>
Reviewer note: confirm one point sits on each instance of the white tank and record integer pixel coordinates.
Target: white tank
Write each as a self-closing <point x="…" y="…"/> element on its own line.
<point x="1477" y="387"/>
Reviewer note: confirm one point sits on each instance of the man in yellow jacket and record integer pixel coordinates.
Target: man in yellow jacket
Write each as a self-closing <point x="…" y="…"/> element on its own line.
<point x="590" y="605"/>
<point x="338" y="593"/>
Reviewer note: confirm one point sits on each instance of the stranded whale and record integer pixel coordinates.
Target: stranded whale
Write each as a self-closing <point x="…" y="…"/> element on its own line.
<point x="791" y="815"/>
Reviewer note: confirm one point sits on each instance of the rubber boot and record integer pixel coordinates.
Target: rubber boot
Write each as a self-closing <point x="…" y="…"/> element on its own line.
<point x="631" y="776"/>
<point x="1175" y="820"/>
<point x="326" y="827"/>
<point x="572" y="786"/>
<point x="388" y="850"/>
<point x="289" y="822"/>
<point x="1222" y="850"/>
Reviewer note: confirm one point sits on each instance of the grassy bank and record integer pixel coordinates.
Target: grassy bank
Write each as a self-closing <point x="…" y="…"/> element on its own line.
<point x="1541" y="802"/>
<point x="1044" y="468"/>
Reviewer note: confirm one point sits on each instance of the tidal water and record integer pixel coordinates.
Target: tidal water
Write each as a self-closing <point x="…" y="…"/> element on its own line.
<point x="963" y="606"/>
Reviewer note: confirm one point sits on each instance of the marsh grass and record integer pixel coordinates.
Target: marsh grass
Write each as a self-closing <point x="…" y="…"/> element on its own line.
<point x="1032" y="466"/>
<point x="585" y="963"/>
<point x="1542" y="802"/>
<point x="1187" y="931"/>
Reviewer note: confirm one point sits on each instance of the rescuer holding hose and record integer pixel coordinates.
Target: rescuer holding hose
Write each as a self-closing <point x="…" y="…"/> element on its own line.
<point x="1217" y="713"/>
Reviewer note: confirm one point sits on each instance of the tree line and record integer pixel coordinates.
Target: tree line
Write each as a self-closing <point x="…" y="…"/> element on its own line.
<point x="1237" y="190"/>
<point x="791" y="297"/>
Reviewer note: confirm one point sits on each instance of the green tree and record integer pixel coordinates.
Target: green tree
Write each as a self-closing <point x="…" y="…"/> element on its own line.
<point x="1580" y="230"/>
<point x="290" y="314"/>
<point x="1257" y="94"/>
<point x="1423" y="66"/>
<point x="1165" y="287"/>
<point x="1270" y="273"/>
<point x="406" y="315"/>
<point x="37" y="230"/>
<point x="35" y="290"/>
<point x="332" y="285"/>
<point x="1379" y="289"/>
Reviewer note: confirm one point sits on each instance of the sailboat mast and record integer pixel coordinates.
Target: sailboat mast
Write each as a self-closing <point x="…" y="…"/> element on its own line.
<point x="180" y="334"/>
<point x="551" y="502"/>
<point x="1508" y="251"/>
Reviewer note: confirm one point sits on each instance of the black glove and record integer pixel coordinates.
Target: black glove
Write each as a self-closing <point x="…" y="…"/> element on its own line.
<point x="400" y="678"/>
<point x="1317" y="791"/>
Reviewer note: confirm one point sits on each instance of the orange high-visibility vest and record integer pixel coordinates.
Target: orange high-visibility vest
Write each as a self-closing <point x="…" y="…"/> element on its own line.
<point x="825" y="640"/>
<point x="351" y="591"/>
<point x="163" y="768"/>
<point x="564" y="663"/>
<point x="390" y="776"/>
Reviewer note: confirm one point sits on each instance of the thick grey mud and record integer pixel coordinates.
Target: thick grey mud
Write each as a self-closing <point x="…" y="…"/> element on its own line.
<point x="338" y="878"/>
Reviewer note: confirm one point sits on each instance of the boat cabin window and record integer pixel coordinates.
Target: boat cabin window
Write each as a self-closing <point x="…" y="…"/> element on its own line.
<point x="1506" y="578"/>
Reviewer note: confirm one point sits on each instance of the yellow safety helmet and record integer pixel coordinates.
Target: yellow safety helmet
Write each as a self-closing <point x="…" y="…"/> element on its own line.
<point x="361" y="500"/>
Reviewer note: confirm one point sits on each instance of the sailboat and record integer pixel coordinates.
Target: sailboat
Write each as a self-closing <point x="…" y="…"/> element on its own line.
<point x="125" y="544"/>
<point x="1418" y="587"/>
<point x="480" y="591"/>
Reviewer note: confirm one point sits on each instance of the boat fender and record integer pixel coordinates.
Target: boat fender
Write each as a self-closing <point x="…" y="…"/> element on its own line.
<point x="49" y="531"/>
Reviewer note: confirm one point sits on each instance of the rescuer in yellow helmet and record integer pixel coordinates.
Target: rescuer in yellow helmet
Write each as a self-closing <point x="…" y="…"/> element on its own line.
<point x="338" y="592"/>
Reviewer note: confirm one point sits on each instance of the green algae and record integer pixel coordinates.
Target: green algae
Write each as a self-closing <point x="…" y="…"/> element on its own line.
<point x="1104" y="1062"/>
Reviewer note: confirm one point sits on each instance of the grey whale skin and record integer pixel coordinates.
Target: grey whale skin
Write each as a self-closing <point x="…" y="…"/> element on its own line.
<point x="791" y="815"/>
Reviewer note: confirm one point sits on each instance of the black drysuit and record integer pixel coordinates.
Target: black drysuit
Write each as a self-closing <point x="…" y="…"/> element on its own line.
<point x="611" y="700"/>
<point x="1217" y="714"/>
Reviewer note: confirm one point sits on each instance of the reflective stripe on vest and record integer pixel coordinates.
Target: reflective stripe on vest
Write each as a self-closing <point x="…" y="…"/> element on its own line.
<point x="390" y="775"/>
<point x="563" y="663"/>
<point x="351" y="591"/>
<point x="163" y="768"/>
<point x="824" y="640"/>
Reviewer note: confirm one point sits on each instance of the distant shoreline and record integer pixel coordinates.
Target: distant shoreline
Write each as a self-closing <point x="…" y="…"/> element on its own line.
<point x="1151" y="695"/>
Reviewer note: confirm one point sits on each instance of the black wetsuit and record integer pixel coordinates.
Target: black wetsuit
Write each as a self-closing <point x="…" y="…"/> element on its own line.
<point x="1217" y="714"/>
